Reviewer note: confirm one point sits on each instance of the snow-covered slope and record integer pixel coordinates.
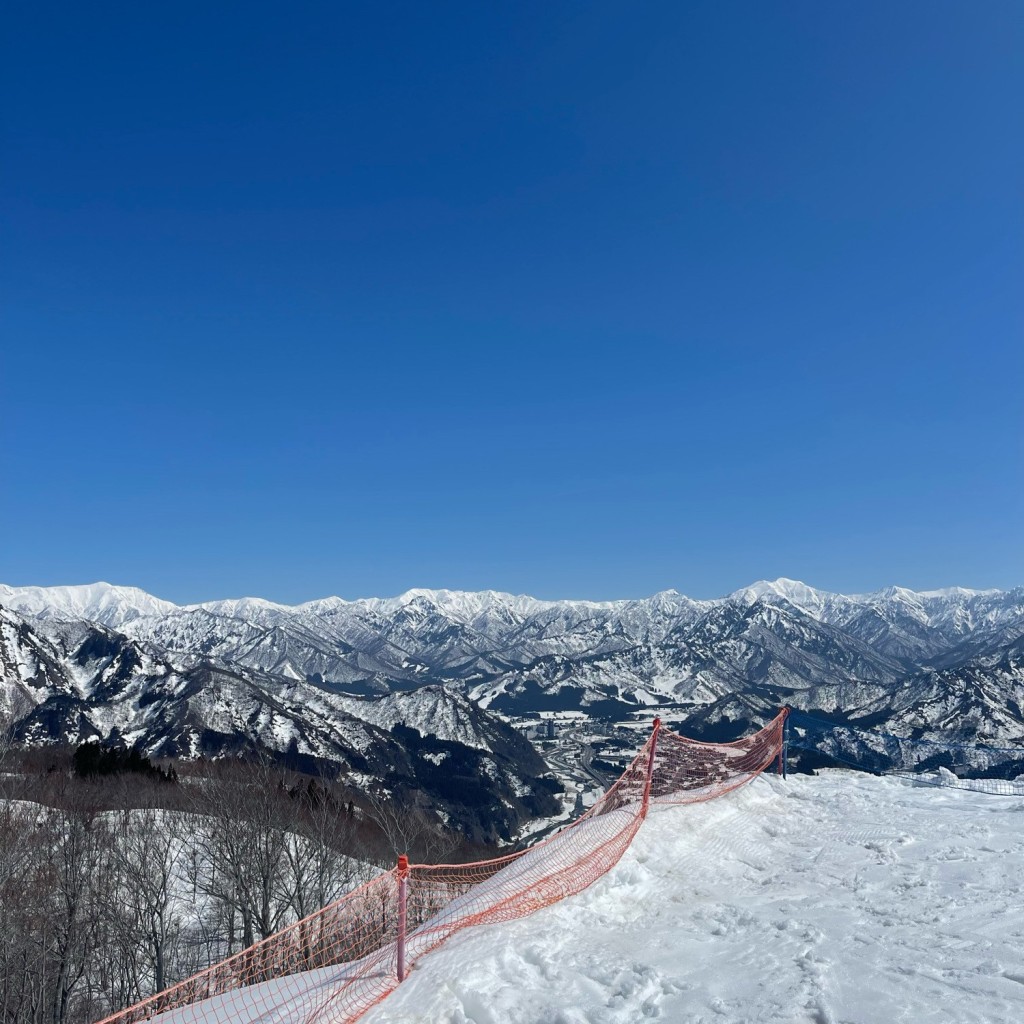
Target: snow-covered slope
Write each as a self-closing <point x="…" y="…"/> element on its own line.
<point x="840" y="898"/>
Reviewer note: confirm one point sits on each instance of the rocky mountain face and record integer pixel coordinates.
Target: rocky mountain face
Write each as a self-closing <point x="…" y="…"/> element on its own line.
<point x="942" y="660"/>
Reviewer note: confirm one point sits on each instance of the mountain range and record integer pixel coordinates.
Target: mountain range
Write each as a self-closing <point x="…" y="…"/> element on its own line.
<point x="320" y="677"/>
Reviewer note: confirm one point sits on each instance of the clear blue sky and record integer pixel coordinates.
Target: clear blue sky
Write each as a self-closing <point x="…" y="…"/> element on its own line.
<point x="573" y="299"/>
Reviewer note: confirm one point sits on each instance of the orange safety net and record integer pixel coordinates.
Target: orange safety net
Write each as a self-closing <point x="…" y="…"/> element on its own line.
<point x="337" y="963"/>
<point x="687" y="771"/>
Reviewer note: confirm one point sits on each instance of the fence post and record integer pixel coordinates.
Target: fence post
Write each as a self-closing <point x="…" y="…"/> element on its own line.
<point x="403" y="904"/>
<point x="650" y="765"/>
<point x="780" y="761"/>
<point x="785" y="746"/>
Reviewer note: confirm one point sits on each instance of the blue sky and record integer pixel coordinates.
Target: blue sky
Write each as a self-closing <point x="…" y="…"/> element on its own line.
<point x="572" y="299"/>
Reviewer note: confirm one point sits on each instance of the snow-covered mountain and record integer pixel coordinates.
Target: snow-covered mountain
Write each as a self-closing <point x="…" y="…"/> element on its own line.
<point x="95" y="602"/>
<point x="772" y="642"/>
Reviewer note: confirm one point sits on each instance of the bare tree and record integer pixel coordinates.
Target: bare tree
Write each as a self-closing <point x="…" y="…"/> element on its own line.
<point x="75" y="872"/>
<point x="148" y="855"/>
<point x="408" y="828"/>
<point x="240" y="832"/>
<point x="21" y="954"/>
<point x="320" y="866"/>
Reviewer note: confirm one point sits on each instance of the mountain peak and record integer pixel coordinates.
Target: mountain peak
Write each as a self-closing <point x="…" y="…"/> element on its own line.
<point x="793" y="591"/>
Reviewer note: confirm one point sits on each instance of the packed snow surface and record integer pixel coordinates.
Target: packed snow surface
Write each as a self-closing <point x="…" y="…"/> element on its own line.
<point x="838" y="899"/>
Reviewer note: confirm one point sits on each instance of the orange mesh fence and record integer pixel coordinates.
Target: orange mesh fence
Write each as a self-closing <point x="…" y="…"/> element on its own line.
<point x="333" y="966"/>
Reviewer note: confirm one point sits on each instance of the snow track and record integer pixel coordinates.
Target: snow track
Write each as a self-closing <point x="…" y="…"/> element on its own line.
<point x="838" y="899"/>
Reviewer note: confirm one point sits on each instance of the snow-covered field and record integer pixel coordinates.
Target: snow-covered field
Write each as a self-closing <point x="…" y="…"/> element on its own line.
<point x="831" y="900"/>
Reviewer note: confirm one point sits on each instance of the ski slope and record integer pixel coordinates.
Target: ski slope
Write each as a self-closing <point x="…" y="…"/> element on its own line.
<point x="838" y="899"/>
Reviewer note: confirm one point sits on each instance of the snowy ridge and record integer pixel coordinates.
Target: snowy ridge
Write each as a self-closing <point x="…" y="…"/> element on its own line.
<point x="495" y="615"/>
<point x="96" y="602"/>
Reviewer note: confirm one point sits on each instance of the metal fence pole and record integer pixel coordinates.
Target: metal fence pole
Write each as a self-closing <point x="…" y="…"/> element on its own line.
<point x="403" y="905"/>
